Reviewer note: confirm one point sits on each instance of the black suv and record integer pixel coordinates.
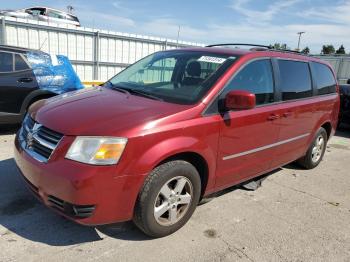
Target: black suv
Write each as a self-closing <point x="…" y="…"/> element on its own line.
<point x="27" y="76"/>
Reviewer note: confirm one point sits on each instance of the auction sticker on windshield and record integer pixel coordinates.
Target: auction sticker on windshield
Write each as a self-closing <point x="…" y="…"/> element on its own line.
<point x="212" y="59"/>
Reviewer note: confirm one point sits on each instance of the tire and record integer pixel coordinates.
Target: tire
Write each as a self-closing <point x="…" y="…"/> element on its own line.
<point x="166" y="219"/>
<point x="310" y="161"/>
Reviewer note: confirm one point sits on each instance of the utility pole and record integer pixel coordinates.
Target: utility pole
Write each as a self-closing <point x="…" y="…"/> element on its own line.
<point x="178" y="36"/>
<point x="299" y="33"/>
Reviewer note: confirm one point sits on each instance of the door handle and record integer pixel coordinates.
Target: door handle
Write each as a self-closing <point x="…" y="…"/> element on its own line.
<point x="287" y="114"/>
<point x="25" y="80"/>
<point x="273" y="117"/>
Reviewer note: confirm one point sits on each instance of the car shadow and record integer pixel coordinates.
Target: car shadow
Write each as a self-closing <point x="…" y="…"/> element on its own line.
<point x="238" y="187"/>
<point x="9" y="129"/>
<point x="343" y="131"/>
<point x="22" y="214"/>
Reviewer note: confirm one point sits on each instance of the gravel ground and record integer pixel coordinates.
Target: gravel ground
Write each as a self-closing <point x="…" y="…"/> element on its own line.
<point x="296" y="215"/>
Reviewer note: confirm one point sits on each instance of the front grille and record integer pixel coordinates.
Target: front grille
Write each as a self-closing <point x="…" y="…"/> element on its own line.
<point x="38" y="140"/>
<point x="75" y="211"/>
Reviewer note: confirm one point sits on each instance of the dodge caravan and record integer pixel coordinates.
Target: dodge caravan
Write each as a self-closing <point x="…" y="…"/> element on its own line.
<point x="173" y="128"/>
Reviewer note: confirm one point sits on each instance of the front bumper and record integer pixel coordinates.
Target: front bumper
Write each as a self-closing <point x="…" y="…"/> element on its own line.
<point x="90" y="195"/>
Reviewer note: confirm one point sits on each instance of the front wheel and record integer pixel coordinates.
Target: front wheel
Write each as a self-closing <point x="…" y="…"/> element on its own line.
<point x="316" y="150"/>
<point x="168" y="198"/>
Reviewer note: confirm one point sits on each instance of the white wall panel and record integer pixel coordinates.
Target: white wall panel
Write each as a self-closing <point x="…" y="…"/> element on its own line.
<point x="88" y="48"/>
<point x="103" y="73"/>
<point x="345" y="69"/>
<point x="132" y="52"/>
<point x="80" y="70"/>
<point x="72" y="46"/>
<point x="62" y="44"/>
<point x="104" y="49"/>
<point x="79" y="45"/>
<point x="145" y="51"/>
<point x="88" y="73"/>
<point x="125" y="57"/>
<point x="119" y="51"/>
<point x="110" y="71"/>
<point x="138" y="51"/>
<point x="44" y="40"/>
<point x="111" y="51"/>
<point x="23" y="37"/>
<point x="53" y="43"/>
<point x="11" y="35"/>
<point x="33" y="39"/>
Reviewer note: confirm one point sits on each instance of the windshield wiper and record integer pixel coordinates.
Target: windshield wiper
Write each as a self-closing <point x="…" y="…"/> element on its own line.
<point x="128" y="90"/>
<point x="114" y="87"/>
<point x="145" y="94"/>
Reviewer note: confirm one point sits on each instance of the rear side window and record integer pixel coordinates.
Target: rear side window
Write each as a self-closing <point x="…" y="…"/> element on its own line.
<point x="295" y="79"/>
<point x="325" y="81"/>
<point x="256" y="78"/>
<point x="20" y="64"/>
<point x="6" y="62"/>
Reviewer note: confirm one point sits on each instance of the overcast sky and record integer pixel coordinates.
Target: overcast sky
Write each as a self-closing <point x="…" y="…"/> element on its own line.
<point x="213" y="21"/>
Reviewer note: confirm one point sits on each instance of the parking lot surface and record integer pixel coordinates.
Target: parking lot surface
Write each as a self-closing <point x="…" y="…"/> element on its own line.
<point x="296" y="215"/>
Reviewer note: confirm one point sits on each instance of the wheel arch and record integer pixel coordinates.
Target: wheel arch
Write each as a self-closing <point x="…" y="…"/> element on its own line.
<point x="33" y="97"/>
<point x="328" y="127"/>
<point x="191" y="149"/>
<point x="198" y="161"/>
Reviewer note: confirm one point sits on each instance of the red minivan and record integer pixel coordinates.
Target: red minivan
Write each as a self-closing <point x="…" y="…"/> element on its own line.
<point x="173" y="128"/>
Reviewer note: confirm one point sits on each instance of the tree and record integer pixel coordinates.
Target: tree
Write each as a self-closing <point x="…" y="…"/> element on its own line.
<point x="341" y="50"/>
<point x="328" y="49"/>
<point x="306" y="50"/>
<point x="279" y="46"/>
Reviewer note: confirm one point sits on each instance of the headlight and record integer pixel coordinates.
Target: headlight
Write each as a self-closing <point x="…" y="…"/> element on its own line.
<point x="97" y="150"/>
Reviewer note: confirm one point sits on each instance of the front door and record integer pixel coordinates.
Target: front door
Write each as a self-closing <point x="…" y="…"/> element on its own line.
<point x="248" y="138"/>
<point x="16" y="82"/>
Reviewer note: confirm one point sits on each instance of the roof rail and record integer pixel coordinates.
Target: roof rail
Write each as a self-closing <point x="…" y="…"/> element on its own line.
<point x="259" y="48"/>
<point x="15" y="48"/>
<point x="239" y="44"/>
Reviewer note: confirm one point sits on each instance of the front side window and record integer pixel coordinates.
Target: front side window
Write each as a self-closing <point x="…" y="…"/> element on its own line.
<point x="257" y="78"/>
<point x="36" y="11"/>
<point x="6" y="62"/>
<point x="325" y="80"/>
<point x="176" y="76"/>
<point x="295" y="79"/>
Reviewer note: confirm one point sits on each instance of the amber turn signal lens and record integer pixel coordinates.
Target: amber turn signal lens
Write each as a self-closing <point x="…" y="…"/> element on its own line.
<point x="109" y="151"/>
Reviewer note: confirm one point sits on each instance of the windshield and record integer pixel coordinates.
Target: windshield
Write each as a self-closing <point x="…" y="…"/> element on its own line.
<point x="176" y="76"/>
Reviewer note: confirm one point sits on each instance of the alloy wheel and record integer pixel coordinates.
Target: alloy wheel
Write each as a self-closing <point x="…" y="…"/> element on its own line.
<point x="173" y="201"/>
<point x="318" y="148"/>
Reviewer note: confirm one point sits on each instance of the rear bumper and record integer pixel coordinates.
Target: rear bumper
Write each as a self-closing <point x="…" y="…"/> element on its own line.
<point x="90" y="195"/>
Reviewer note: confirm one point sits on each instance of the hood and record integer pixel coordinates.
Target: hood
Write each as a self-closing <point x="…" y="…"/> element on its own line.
<point x="100" y="112"/>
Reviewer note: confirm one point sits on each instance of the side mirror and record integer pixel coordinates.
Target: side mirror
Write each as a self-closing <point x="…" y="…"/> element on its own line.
<point x="239" y="100"/>
<point x="348" y="82"/>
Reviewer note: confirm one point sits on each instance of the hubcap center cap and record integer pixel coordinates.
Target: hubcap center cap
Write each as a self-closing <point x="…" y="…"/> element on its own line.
<point x="172" y="199"/>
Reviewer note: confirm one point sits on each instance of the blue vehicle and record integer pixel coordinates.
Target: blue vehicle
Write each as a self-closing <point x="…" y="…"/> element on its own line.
<point x="27" y="76"/>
